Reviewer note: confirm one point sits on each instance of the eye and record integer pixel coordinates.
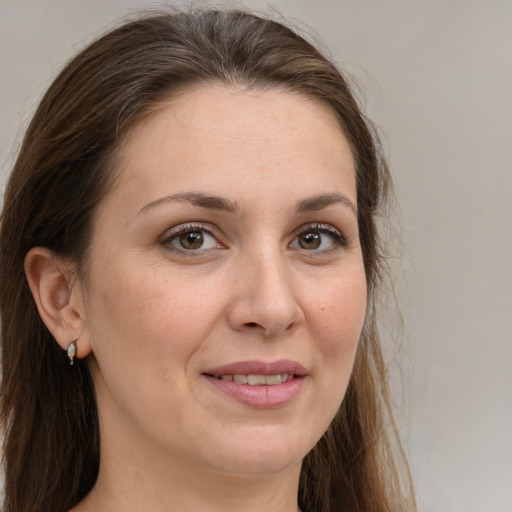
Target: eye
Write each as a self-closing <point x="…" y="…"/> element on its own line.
<point x="310" y="240"/>
<point x="190" y="238"/>
<point x="318" y="238"/>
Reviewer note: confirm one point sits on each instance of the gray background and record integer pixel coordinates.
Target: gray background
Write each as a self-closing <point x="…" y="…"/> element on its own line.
<point x="438" y="77"/>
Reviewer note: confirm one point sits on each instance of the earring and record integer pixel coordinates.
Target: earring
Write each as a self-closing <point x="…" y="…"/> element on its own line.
<point x="71" y="351"/>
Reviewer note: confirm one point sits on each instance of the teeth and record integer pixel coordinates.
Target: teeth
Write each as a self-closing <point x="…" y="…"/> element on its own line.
<point x="255" y="380"/>
<point x="258" y="380"/>
<point x="242" y="379"/>
<point x="272" y="380"/>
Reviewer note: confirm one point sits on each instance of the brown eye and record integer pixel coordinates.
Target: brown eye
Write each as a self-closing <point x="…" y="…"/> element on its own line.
<point x="191" y="240"/>
<point x="310" y="240"/>
<point x="318" y="239"/>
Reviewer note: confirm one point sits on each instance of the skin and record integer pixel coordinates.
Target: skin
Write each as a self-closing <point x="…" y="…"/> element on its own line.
<point x="155" y="316"/>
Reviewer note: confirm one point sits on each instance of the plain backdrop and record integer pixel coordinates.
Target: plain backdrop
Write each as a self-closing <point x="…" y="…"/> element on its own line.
<point x="438" y="81"/>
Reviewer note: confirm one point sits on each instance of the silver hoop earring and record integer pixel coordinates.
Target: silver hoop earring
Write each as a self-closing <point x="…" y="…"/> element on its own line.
<point x="72" y="351"/>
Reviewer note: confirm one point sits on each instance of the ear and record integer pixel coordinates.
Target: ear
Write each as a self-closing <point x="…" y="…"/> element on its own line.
<point x="58" y="298"/>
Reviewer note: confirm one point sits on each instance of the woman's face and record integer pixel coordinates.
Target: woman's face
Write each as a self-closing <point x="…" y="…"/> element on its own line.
<point x="225" y="292"/>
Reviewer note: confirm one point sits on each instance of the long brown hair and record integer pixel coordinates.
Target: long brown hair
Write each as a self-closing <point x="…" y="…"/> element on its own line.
<point x="48" y="410"/>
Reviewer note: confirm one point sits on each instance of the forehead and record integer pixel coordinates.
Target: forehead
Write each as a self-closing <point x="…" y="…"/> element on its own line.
<point x="217" y="135"/>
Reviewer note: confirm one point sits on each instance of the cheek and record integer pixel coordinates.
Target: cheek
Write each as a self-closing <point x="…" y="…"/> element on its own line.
<point x="147" y="316"/>
<point x="338" y="324"/>
<point x="147" y="327"/>
<point x="341" y="315"/>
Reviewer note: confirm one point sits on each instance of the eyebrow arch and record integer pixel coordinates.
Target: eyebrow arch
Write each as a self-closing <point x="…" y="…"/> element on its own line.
<point x="324" y="200"/>
<point x="197" y="199"/>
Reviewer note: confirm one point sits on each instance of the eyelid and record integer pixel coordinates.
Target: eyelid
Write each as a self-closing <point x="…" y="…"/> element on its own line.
<point x="337" y="236"/>
<point x="340" y="240"/>
<point x="174" y="232"/>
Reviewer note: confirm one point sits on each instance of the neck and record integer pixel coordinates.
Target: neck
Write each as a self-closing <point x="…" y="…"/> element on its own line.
<point x="154" y="485"/>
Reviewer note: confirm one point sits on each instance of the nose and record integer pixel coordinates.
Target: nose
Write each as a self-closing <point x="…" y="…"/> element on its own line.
<point x="264" y="297"/>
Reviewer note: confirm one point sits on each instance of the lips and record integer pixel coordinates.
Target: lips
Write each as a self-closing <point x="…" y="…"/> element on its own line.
<point x="259" y="368"/>
<point x="259" y="384"/>
<point x="254" y="379"/>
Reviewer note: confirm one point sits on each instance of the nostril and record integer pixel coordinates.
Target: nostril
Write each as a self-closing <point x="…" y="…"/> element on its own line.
<point x="252" y="324"/>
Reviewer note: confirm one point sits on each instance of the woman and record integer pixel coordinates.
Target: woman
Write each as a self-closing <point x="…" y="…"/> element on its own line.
<point x="194" y="211"/>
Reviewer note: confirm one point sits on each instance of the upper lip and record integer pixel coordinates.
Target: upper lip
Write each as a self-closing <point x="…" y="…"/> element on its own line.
<point x="259" y="368"/>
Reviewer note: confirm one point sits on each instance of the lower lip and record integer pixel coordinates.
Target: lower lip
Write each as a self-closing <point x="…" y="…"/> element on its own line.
<point x="261" y="396"/>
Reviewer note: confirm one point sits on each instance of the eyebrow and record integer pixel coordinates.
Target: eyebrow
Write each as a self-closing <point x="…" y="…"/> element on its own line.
<point x="197" y="199"/>
<point x="222" y="204"/>
<point x="323" y="201"/>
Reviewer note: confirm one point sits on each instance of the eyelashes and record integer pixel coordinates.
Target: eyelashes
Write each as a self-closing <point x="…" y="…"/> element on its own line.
<point x="195" y="239"/>
<point x="192" y="239"/>
<point x="319" y="238"/>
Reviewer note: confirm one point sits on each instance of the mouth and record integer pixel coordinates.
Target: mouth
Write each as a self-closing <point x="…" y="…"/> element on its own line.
<point x="259" y="384"/>
<point x="253" y="379"/>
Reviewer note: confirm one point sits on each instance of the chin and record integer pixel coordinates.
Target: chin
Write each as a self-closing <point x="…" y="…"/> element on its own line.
<point x="261" y="452"/>
<point x="259" y="465"/>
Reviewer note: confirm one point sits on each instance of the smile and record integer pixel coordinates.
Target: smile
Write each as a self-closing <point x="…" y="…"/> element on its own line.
<point x="259" y="384"/>
<point x="257" y="380"/>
